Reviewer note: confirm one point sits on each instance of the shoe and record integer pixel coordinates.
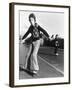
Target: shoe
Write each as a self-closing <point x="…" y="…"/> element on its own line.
<point x="35" y="72"/>
<point x="23" y="67"/>
<point x="57" y="54"/>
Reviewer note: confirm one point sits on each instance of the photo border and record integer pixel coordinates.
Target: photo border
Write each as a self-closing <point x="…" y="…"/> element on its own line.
<point x="11" y="43"/>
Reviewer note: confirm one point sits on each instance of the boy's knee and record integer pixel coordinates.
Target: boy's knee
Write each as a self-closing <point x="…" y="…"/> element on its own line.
<point x="34" y="54"/>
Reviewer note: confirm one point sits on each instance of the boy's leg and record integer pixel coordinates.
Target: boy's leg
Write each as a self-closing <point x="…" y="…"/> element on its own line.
<point x="34" y="61"/>
<point x="27" y="60"/>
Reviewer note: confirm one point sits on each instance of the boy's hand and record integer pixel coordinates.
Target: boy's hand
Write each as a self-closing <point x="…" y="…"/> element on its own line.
<point x="22" y="41"/>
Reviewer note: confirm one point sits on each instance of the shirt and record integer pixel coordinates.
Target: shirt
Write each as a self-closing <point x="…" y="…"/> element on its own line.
<point x="35" y="32"/>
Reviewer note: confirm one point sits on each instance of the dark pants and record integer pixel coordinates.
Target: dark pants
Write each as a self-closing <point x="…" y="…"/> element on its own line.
<point x="56" y="49"/>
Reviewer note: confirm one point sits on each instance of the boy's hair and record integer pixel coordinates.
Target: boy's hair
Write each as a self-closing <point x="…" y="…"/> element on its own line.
<point x="33" y="16"/>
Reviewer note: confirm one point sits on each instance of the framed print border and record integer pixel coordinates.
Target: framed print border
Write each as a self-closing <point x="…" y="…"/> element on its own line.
<point x="12" y="47"/>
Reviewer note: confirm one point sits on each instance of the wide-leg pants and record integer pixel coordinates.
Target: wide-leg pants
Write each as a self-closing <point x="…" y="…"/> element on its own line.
<point x="31" y="57"/>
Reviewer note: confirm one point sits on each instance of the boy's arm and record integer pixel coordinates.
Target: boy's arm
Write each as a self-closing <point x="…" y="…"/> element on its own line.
<point x="26" y="34"/>
<point x="42" y="30"/>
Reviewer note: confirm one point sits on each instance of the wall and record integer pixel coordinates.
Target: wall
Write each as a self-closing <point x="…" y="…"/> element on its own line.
<point x="4" y="43"/>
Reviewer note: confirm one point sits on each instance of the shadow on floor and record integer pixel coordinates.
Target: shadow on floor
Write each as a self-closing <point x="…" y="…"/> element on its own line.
<point x="27" y="71"/>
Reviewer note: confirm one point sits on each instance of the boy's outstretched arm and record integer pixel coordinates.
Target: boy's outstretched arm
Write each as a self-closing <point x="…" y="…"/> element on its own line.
<point x="26" y="34"/>
<point x="42" y="30"/>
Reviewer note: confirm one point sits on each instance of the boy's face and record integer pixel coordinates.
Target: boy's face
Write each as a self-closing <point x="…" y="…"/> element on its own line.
<point x="32" y="21"/>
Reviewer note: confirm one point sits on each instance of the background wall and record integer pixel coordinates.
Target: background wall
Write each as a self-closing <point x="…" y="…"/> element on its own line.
<point x="4" y="44"/>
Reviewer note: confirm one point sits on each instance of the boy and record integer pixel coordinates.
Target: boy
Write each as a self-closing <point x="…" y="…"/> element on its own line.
<point x="35" y="31"/>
